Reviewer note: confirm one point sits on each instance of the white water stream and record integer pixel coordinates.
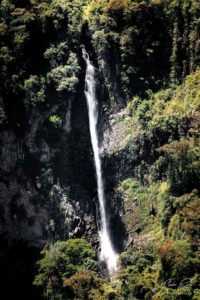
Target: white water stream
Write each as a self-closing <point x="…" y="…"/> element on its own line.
<point x="107" y="254"/>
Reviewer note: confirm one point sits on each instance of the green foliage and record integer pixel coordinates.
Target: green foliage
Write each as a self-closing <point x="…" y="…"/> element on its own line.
<point x="150" y="54"/>
<point x="44" y="69"/>
<point x="63" y="261"/>
<point x="189" y="216"/>
<point x="65" y="77"/>
<point x="165" y="149"/>
<point x="145" y="58"/>
<point x="129" y="183"/>
<point x="174" y="228"/>
<point x="34" y="88"/>
<point x="177" y="259"/>
<point x="133" y="104"/>
<point x="5" y="56"/>
<point x="135" y="203"/>
<point x="139" y="258"/>
<point x="168" y="134"/>
<point x="137" y="285"/>
<point x="55" y="121"/>
<point x="143" y="46"/>
<point x="56" y="54"/>
<point x="20" y="20"/>
<point x="82" y="284"/>
<point x="182" y="156"/>
<point x="196" y="295"/>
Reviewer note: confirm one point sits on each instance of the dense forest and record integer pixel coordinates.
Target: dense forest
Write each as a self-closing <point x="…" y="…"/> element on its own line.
<point x="146" y="55"/>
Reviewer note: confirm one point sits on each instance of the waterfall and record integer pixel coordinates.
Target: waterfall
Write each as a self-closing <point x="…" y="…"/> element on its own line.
<point x="107" y="254"/>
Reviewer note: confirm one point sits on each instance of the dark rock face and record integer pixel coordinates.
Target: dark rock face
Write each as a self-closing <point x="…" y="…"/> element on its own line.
<point x="110" y="68"/>
<point x="24" y="211"/>
<point x="47" y="184"/>
<point x="21" y="218"/>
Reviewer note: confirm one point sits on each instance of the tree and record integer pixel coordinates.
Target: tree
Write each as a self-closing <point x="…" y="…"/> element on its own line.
<point x="62" y="261"/>
<point x="80" y="285"/>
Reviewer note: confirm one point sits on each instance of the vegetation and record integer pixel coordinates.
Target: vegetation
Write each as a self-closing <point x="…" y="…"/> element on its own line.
<point x="149" y="54"/>
<point x="163" y="194"/>
<point x="35" y="74"/>
<point x="55" y="121"/>
<point x="65" y="267"/>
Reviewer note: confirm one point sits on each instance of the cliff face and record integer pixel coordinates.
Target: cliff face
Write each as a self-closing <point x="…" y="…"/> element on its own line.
<point x="34" y="169"/>
<point x="47" y="177"/>
<point x="47" y="184"/>
<point x="47" y="174"/>
<point x="44" y="114"/>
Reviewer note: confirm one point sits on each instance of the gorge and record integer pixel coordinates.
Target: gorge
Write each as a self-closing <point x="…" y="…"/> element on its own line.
<point x="99" y="149"/>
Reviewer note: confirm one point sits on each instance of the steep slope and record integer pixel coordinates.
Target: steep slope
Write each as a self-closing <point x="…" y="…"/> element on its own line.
<point x="143" y="52"/>
<point x="45" y="144"/>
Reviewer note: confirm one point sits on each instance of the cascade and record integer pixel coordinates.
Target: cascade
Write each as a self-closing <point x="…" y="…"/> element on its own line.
<point x="107" y="253"/>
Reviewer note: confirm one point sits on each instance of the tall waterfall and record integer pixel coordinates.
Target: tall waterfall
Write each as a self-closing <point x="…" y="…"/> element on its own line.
<point x="107" y="254"/>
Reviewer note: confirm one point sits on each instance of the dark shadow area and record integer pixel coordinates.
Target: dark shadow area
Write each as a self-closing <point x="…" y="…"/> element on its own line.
<point x="17" y="268"/>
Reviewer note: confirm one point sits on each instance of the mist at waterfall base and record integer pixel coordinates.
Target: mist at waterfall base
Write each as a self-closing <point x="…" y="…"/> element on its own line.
<point x="107" y="254"/>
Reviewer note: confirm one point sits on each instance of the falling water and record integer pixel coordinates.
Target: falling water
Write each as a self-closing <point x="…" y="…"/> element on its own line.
<point x="107" y="254"/>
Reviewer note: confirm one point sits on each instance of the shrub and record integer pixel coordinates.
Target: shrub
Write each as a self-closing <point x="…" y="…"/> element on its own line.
<point x="56" y="121"/>
<point x="196" y="294"/>
<point x="140" y="258"/>
<point x="34" y="88"/>
<point x="65" y="76"/>
<point x="190" y="218"/>
<point x="80" y="285"/>
<point x="62" y="261"/>
<point x="57" y="54"/>
<point x="176" y="259"/>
